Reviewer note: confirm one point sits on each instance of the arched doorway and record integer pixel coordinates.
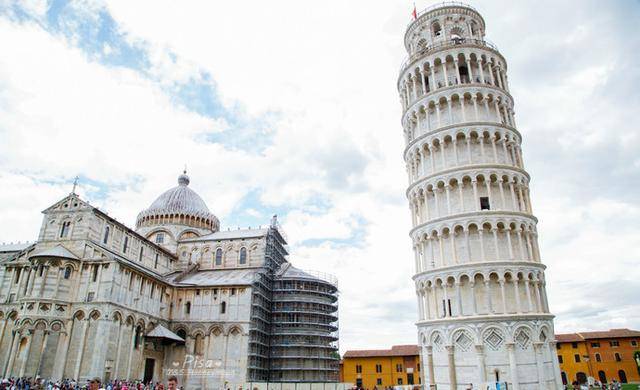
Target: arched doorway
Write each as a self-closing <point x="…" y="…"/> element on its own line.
<point x="602" y="376"/>
<point x="623" y="376"/>
<point x="581" y="377"/>
<point x="564" y="377"/>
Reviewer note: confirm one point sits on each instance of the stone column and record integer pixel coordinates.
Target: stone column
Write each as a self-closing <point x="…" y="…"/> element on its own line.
<point x="487" y="295"/>
<point x="495" y="242"/>
<point x="99" y="349"/>
<point x="3" y="327"/>
<point x="459" y="298"/>
<point x="446" y="77"/>
<point x="55" y="290"/>
<point x="481" y="239"/>
<point x="537" y="348"/>
<point x="23" y="366"/>
<point x="83" y="337"/>
<point x="62" y="351"/>
<point x="131" y="350"/>
<point x="513" y="366"/>
<point x="464" y="115"/>
<point x="426" y="303"/>
<point x="12" y="353"/>
<point x="424" y="83"/>
<point x="121" y="330"/>
<point x="482" y="369"/>
<point x="481" y="70"/>
<point x="43" y="282"/>
<point x="452" y="367"/>
<point x="474" y="99"/>
<point x="466" y="237"/>
<point x="430" y="368"/>
<point x="98" y="279"/>
<point x="504" y="296"/>
<point x="516" y="288"/>
<point x="45" y="337"/>
<point x="528" y="291"/>
<point x="31" y="277"/>
<point x="508" y="233"/>
<point x="474" y="307"/>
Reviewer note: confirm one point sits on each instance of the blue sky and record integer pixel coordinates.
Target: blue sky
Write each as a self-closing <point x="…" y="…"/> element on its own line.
<point x="291" y="109"/>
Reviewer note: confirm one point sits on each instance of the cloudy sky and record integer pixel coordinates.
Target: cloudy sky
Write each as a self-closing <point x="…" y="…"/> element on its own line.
<point x="290" y="108"/>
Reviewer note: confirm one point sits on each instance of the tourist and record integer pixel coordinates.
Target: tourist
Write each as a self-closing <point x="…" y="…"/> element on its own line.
<point x="172" y="383"/>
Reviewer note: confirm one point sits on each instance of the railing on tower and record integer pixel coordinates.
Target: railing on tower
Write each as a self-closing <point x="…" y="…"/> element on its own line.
<point x="440" y="5"/>
<point x="453" y="42"/>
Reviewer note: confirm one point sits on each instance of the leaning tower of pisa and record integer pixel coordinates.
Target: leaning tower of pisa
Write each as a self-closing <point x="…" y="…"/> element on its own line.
<point x="482" y="306"/>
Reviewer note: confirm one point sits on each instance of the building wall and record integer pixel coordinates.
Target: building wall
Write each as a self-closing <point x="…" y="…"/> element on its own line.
<point x="389" y="375"/>
<point x="608" y="364"/>
<point x="82" y="310"/>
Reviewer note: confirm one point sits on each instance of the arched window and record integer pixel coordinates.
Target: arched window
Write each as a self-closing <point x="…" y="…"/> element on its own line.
<point x="243" y="255"/>
<point x="182" y="334"/>
<point x="456" y="35"/>
<point x="138" y="336"/>
<point x="223" y="307"/>
<point x="198" y="346"/>
<point x="598" y="358"/>
<point x="602" y="376"/>
<point x="623" y="376"/>
<point x="219" y="256"/>
<point x="64" y="232"/>
<point x="67" y="272"/>
<point x="187" y="308"/>
<point x="436" y="29"/>
<point x="105" y="239"/>
<point x="474" y="28"/>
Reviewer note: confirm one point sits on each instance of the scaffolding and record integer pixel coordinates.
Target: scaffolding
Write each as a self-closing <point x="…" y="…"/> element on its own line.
<point x="294" y="331"/>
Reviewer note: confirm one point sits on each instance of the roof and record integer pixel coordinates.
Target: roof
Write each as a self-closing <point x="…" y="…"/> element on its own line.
<point x="14" y="247"/>
<point x="396" y="350"/>
<point x="568" y="338"/>
<point x="605" y="334"/>
<point x="162" y="332"/>
<point x="179" y="200"/>
<point x="231" y="277"/>
<point x="231" y="234"/>
<point x="56" y="251"/>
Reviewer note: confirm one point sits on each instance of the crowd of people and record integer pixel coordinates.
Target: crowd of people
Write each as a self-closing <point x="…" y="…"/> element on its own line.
<point x="93" y="384"/>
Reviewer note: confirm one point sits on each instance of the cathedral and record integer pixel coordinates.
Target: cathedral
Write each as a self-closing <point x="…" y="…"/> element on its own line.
<point x="174" y="296"/>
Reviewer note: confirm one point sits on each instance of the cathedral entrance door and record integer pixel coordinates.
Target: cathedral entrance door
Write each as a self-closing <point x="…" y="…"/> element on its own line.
<point x="149" y="365"/>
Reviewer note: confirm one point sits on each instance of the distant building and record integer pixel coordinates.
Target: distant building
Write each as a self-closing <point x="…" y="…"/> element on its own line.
<point x="605" y="356"/>
<point x="93" y="297"/>
<point x="380" y="368"/>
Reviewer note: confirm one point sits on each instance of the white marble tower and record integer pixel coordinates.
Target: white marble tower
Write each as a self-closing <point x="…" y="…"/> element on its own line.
<point x="483" y="312"/>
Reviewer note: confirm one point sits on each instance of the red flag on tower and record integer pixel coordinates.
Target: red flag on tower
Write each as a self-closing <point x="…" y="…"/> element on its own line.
<point x="414" y="13"/>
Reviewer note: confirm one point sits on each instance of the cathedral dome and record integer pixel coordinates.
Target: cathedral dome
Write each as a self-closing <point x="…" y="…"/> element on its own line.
<point x="179" y="205"/>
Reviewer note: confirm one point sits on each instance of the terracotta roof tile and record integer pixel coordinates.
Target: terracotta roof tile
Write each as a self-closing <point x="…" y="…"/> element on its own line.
<point x="568" y="338"/>
<point x="612" y="333"/>
<point x="604" y="334"/>
<point x="396" y="350"/>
